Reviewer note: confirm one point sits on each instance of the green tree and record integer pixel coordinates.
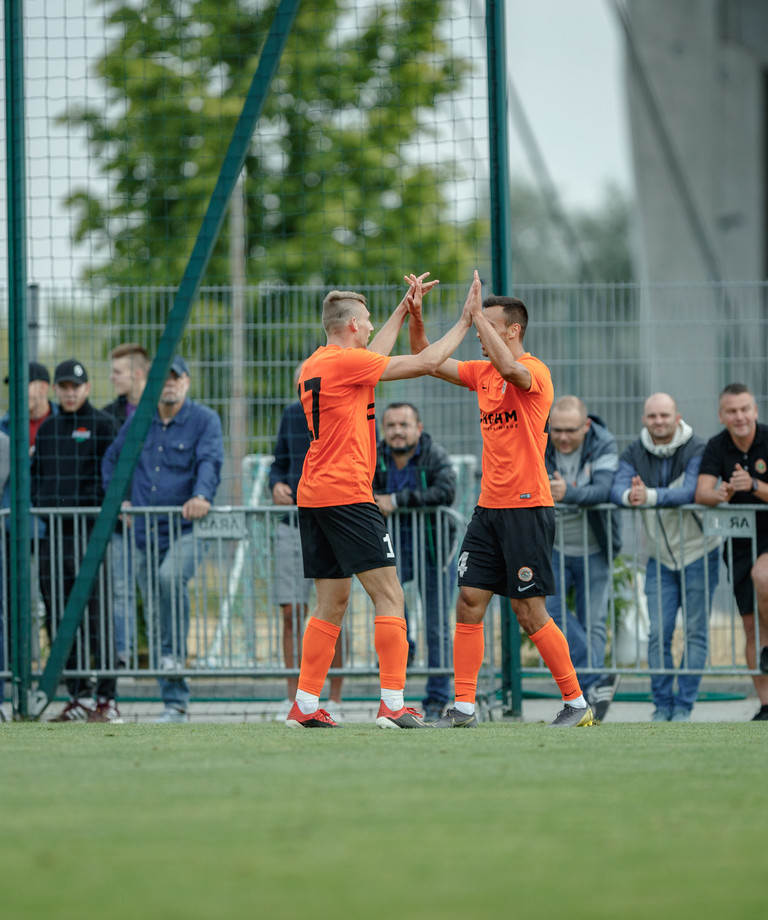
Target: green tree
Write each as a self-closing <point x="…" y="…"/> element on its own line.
<point x="334" y="188"/>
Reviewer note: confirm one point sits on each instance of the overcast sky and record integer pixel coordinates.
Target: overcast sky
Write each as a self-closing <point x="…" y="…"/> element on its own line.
<point x="565" y="63"/>
<point x="565" y="59"/>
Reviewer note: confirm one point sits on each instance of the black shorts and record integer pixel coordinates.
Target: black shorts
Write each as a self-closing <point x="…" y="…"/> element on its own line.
<point x="342" y="540"/>
<point x="741" y="576"/>
<point x="509" y="551"/>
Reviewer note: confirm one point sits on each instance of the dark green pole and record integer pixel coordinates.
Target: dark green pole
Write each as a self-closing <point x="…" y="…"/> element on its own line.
<point x="501" y="283"/>
<point x="498" y="117"/>
<point x="166" y="349"/>
<point x="17" y="577"/>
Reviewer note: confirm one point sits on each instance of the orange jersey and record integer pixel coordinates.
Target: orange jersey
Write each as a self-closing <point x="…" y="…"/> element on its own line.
<point x="514" y="426"/>
<point x="336" y="392"/>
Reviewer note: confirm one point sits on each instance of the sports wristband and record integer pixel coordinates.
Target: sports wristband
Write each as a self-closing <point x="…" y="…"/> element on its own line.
<point x="755" y="484"/>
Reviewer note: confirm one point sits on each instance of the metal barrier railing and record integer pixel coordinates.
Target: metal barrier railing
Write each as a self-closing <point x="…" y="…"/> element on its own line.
<point x="220" y="577"/>
<point x="628" y="617"/>
<point x="227" y="563"/>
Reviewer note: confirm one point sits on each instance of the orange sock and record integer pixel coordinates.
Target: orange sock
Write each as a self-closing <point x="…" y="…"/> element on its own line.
<point x="468" y="652"/>
<point x="317" y="651"/>
<point x="553" y="648"/>
<point x="391" y="641"/>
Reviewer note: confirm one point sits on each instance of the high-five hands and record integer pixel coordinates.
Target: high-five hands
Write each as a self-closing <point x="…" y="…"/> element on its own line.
<point x="473" y="305"/>
<point x="418" y="286"/>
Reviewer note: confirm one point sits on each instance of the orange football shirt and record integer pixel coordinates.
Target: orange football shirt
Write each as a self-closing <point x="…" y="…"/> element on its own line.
<point x="336" y="393"/>
<point x="513" y="424"/>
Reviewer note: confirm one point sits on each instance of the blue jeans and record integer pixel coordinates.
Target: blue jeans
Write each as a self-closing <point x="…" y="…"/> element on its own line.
<point x="123" y="594"/>
<point x="695" y="628"/>
<point x="439" y="646"/>
<point x="585" y="627"/>
<point x="163" y="585"/>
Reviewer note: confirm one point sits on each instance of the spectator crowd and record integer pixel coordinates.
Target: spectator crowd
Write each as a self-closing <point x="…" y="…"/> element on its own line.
<point x="74" y="449"/>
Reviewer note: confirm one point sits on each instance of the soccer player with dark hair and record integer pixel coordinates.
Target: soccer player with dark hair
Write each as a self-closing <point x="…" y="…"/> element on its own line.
<point x="343" y="533"/>
<point x="507" y="549"/>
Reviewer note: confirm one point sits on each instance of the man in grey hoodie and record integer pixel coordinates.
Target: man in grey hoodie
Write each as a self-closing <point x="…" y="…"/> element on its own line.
<point x="581" y="459"/>
<point x="660" y="471"/>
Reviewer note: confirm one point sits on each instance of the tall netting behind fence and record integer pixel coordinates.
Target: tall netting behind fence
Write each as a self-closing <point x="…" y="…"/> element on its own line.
<point x="370" y="160"/>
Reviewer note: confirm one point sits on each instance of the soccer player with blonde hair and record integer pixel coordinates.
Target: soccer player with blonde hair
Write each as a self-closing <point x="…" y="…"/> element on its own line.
<point x="343" y="532"/>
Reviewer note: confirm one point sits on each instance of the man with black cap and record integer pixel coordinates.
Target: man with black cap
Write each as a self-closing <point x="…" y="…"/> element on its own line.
<point x="66" y="473"/>
<point x="179" y="465"/>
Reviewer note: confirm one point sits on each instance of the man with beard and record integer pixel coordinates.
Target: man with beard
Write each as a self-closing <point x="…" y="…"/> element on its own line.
<point x="414" y="472"/>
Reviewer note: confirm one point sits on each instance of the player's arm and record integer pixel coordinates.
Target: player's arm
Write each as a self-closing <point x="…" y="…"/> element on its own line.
<point x="709" y="493"/>
<point x="501" y="357"/>
<point x="434" y="356"/>
<point x="384" y="340"/>
<point x="449" y="369"/>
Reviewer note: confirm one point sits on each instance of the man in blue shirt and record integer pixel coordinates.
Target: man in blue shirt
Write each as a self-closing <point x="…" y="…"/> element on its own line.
<point x="180" y="465"/>
<point x="413" y="472"/>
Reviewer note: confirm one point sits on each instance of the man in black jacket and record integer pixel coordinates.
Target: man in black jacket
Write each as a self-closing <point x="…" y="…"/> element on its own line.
<point x="413" y="472"/>
<point x="66" y="473"/>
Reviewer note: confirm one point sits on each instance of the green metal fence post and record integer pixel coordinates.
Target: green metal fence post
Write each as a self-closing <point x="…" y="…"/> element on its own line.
<point x="19" y="615"/>
<point x="501" y="262"/>
<point x="167" y="346"/>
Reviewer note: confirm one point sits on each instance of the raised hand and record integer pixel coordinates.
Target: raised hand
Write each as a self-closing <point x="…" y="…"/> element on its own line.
<point x="473" y="305"/>
<point x="418" y="286"/>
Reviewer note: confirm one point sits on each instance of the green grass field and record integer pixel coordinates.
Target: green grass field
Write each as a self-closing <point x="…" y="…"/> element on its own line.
<point x="521" y="820"/>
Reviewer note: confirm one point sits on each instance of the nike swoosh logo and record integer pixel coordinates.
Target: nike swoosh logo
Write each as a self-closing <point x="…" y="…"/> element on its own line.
<point x="526" y="588"/>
